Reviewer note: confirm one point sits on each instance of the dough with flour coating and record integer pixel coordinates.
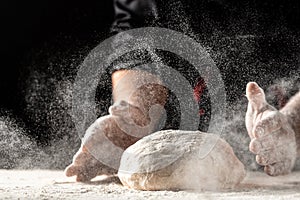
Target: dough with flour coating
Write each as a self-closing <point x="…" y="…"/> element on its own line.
<point x="174" y="159"/>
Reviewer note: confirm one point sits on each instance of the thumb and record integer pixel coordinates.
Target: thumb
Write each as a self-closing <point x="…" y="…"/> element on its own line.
<point x="257" y="103"/>
<point x="256" y="97"/>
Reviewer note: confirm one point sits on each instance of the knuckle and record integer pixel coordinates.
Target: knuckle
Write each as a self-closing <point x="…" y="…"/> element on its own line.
<point x="270" y="170"/>
<point x="260" y="160"/>
<point x="123" y="103"/>
<point x="265" y="159"/>
<point x="255" y="146"/>
<point x="259" y="131"/>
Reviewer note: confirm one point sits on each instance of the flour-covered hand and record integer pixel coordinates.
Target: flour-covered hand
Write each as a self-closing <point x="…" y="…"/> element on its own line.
<point x="272" y="136"/>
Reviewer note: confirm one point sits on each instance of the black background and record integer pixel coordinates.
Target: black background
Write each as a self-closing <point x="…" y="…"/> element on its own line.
<point x="44" y="41"/>
<point x="26" y="25"/>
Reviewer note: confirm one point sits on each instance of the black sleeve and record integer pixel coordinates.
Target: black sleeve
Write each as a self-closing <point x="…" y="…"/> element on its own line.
<point x="128" y="14"/>
<point x="133" y="14"/>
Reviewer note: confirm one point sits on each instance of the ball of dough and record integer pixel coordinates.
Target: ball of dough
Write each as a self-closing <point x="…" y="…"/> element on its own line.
<point x="184" y="160"/>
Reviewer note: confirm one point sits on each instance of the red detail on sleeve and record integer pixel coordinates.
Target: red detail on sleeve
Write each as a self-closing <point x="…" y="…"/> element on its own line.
<point x="201" y="111"/>
<point x="198" y="92"/>
<point x="199" y="89"/>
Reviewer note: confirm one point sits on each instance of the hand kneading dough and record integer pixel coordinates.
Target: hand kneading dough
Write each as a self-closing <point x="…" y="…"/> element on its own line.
<point x="175" y="159"/>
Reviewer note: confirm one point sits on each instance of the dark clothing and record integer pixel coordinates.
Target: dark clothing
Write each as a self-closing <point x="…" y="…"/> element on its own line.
<point x="244" y="38"/>
<point x="131" y="14"/>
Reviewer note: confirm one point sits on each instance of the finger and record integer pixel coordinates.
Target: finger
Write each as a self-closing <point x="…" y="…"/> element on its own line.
<point x="119" y="108"/>
<point x="264" y="160"/>
<point x="88" y="171"/>
<point x="273" y="156"/>
<point x="271" y="141"/>
<point x="80" y="158"/>
<point x="268" y="125"/>
<point x="82" y="173"/>
<point x="83" y="176"/>
<point x="252" y="89"/>
<point x="128" y="114"/>
<point x="254" y="146"/>
<point x="280" y="168"/>
<point x="256" y="96"/>
<point x="71" y="170"/>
